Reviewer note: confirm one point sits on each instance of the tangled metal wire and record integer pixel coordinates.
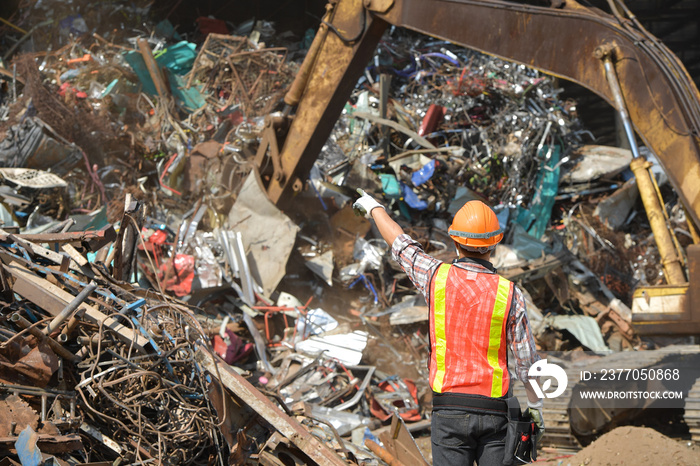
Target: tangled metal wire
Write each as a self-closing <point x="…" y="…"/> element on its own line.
<point x="154" y="405"/>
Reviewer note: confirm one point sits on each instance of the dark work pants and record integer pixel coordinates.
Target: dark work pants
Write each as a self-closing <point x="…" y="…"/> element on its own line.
<point x="459" y="438"/>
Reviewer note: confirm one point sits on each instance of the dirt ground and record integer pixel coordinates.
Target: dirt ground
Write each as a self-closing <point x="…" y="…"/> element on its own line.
<point x="627" y="445"/>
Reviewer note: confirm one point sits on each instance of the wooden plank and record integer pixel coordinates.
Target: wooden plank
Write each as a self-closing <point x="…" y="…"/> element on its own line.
<point x="61" y="259"/>
<point x="240" y="388"/>
<point x="54" y="299"/>
<point x="400" y="443"/>
<point x="74" y="254"/>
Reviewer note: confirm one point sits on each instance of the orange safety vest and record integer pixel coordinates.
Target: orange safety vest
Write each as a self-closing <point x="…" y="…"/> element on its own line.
<point x="468" y="344"/>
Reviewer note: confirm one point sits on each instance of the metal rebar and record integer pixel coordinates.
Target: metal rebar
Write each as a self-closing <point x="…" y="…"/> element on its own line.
<point x="68" y="310"/>
<point x="53" y="344"/>
<point x="72" y="323"/>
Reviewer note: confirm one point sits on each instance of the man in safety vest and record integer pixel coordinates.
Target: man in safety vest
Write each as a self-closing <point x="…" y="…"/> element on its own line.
<point x="475" y="315"/>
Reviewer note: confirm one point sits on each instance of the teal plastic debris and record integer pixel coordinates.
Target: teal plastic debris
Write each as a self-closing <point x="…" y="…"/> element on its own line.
<point x="536" y="218"/>
<point x="390" y="186"/>
<point x="166" y="29"/>
<point x="177" y="60"/>
<point x="109" y="88"/>
<point x="94" y="221"/>
<point x="308" y="39"/>
<point x="190" y="99"/>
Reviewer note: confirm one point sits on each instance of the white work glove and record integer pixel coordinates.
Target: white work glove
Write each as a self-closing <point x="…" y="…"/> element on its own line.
<point x="365" y="204"/>
<point x="535" y="411"/>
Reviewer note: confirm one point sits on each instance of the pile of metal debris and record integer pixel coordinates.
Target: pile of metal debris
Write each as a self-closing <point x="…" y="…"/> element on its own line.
<point x="157" y="307"/>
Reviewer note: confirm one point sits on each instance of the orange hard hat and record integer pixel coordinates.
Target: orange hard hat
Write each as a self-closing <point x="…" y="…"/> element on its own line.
<point x="475" y="226"/>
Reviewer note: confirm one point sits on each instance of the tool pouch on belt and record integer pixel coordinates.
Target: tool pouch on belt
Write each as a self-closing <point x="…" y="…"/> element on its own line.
<point x="521" y="447"/>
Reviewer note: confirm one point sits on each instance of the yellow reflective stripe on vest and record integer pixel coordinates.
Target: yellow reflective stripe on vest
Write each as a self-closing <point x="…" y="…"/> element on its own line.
<point x="500" y="309"/>
<point x="439" y="322"/>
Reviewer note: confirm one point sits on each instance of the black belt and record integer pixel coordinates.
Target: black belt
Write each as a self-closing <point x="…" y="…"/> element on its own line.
<point x="470" y="403"/>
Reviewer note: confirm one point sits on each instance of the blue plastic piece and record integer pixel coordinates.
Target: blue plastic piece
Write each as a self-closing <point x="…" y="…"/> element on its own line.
<point x="135" y="305"/>
<point x="70" y="74"/>
<point x="370" y="436"/>
<point x="412" y="199"/>
<point x="367" y="284"/>
<point x="30" y="314"/>
<point x="424" y="174"/>
<point x="29" y="454"/>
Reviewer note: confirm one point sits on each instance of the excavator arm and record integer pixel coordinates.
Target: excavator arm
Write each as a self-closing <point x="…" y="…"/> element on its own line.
<point x="571" y="42"/>
<point x="612" y="55"/>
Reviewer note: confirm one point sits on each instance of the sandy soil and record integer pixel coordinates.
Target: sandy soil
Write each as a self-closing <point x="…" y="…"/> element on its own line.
<point x="639" y="446"/>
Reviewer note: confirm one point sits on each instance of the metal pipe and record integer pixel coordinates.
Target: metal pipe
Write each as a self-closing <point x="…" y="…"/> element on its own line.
<point x="605" y="54"/>
<point x="93" y="340"/>
<point x="82" y="353"/>
<point x="53" y="344"/>
<point x="29" y="390"/>
<point x="360" y="392"/>
<point x="246" y="277"/>
<point x="44" y="399"/>
<point x="68" y="310"/>
<point x="72" y="323"/>
<point x="384" y="455"/>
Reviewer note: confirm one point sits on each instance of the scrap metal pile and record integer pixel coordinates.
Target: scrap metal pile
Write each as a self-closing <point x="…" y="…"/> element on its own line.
<point x="439" y="125"/>
<point x="158" y="308"/>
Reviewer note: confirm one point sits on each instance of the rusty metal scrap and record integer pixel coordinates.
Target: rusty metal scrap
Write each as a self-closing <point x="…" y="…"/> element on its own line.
<point x="154" y="405"/>
<point x="140" y="323"/>
<point x="287" y="426"/>
<point x="131" y="369"/>
<point x="233" y="69"/>
<point x="133" y="374"/>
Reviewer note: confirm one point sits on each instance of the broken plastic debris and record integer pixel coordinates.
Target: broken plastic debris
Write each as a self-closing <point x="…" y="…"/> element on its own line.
<point x="345" y="347"/>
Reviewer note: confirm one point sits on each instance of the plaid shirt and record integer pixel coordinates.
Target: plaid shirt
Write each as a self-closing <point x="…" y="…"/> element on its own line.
<point x="420" y="268"/>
